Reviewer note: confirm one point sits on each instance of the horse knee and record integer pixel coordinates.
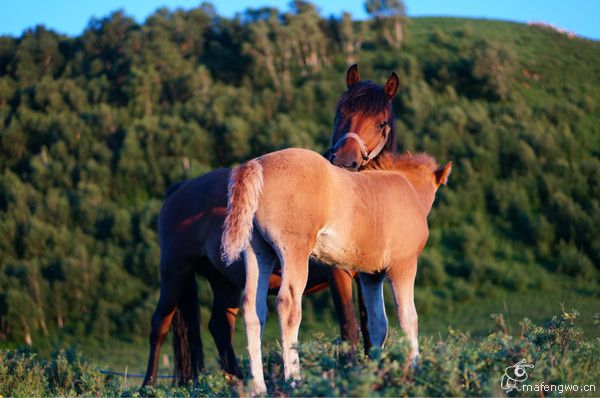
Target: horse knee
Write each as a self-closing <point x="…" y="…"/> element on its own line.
<point x="247" y="304"/>
<point x="284" y="303"/>
<point x="289" y="308"/>
<point x="252" y="323"/>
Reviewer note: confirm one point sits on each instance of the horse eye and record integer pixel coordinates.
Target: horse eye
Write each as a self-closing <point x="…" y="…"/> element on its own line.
<point x="381" y="125"/>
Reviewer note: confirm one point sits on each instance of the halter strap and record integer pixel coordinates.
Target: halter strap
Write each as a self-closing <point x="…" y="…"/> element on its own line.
<point x="366" y="155"/>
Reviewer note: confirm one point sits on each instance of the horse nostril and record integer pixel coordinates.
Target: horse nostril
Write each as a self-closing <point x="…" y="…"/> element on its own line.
<point x="354" y="165"/>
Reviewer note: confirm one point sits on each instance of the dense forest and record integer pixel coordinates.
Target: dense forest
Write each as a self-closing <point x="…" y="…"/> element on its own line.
<point x="94" y="128"/>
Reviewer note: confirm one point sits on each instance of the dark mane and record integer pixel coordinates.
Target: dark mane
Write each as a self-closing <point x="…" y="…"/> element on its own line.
<point x="419" y="163"/>
<point x="366" y="97"/>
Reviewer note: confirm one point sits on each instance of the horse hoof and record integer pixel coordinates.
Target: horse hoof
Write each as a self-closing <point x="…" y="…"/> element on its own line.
<point x="295" y="382"/>
<point x="414" y="361"/>
<point x="259" y="390"/>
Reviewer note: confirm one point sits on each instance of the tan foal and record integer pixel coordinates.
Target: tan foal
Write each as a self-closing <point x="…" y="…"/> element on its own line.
<point x="292" y="204"/>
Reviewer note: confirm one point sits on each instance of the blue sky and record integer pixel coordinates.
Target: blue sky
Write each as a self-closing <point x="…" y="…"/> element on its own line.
<point x="71" y="17"/>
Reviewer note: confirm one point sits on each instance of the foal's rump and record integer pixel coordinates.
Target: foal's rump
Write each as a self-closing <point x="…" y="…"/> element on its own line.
<point x="298" y="195"/>
<point x="272" y="190"/>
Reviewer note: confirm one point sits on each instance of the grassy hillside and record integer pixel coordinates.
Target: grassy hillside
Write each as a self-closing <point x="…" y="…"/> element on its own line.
<point x="94" y="128"/>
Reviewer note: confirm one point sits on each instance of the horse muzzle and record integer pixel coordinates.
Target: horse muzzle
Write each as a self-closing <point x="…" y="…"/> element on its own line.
<point x="346" y="162"/>
<point x="340" y="155"/>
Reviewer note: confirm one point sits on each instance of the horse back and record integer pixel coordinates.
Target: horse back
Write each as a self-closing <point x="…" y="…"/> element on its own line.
<point x="190" y="219"/>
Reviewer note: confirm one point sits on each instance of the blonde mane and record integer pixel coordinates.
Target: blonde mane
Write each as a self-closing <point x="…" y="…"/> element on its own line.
<point x="421" y="163"/>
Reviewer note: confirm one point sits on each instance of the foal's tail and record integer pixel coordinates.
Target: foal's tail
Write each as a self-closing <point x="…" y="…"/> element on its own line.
<point x="245" y="186"/>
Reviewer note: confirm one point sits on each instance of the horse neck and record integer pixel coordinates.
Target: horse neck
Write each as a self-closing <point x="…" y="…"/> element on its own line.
<point x="423" y="188"/>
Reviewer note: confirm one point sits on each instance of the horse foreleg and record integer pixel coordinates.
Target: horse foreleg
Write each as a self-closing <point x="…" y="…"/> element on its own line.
<point x="340" y="282"/>
<point x="289" y="306"/>
<point x="372" y="289"/>
<point x="402" y="278"/>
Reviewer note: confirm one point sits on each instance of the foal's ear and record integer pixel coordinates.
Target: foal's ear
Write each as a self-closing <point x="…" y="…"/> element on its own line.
<point x="442" y="174"/>
<point x="391" y="86"/>
<point x="352" y="76"/>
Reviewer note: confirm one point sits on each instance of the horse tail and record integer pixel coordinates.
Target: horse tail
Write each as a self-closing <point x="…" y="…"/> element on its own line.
<point x="243" y="193"/>
<point x="187" y="343"/>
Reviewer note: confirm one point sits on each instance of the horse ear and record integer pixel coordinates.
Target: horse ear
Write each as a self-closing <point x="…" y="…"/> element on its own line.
<point x="352" y="76"/>
<point x="442" y="174"/>
<point x="391" y="86"/>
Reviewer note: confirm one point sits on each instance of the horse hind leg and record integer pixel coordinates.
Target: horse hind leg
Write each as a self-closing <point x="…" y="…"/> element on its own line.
<point x="225" y="306"/>
<point x="187" y="342"/>
<point x="294" y="269"/>
<point x="161" y="322"/>
<point x="259" y="265"/>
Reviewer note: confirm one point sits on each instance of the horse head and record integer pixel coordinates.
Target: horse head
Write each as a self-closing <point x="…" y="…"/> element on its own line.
<point x="364" y="122"/>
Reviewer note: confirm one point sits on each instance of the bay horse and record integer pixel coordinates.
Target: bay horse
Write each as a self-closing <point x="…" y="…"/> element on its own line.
<point x="190" y="227"/>
<point x="289" y="205"/>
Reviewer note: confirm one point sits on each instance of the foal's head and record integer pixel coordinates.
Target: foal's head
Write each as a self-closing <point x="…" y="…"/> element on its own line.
<point x="421" y="170"/>
<point x="422" y="165"/>
<point x="364" y="121"/>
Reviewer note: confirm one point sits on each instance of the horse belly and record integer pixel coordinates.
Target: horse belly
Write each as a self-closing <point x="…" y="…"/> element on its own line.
<point x="332" y="249"/>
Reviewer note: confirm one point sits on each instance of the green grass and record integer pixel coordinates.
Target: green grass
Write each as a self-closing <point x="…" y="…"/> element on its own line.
<point x="472" y="316"/>
<point x="456" y="364"/>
